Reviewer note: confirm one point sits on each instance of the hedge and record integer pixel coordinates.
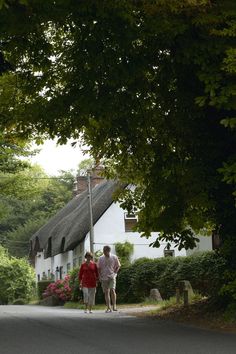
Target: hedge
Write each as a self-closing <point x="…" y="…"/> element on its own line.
<point x="205" y="272"/>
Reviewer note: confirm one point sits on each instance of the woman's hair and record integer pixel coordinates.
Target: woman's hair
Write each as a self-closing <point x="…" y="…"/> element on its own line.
<point x="88" y="254"/>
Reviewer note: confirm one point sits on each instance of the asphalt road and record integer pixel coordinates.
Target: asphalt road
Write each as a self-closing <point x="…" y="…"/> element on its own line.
<point x="41" y="330"/>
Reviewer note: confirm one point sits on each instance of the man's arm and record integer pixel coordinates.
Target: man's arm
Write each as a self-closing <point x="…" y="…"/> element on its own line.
<point x="117" y="265"/>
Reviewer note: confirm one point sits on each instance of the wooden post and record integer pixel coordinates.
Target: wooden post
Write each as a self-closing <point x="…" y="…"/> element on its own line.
<point x="186" y="300"/>
<point x="91" y="233"/>
<point x="177" y="296"/>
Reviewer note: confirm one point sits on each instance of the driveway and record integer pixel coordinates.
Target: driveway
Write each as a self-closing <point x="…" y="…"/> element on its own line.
<point x="43" y="330"/>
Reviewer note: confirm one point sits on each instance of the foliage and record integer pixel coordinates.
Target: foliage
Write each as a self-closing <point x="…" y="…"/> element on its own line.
<point x="28" y="199"/>
<point x="204" y="271"/>
<point x="19" y="302"/>
<point x="17" y="278"/>
<point x="124" y="252"/>
<point x="97" y="254"/>
<point x="119" y="73"/>
<point x="42" y="286"/>
<point x="59" y="289"/>
<point x="84" y="166"/>
<point x="74" y="284"/>
<point x="12" y="150"/>
<point x="230" y="313"/>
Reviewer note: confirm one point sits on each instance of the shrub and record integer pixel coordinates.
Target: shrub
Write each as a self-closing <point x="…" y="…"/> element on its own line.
<point x="19" y="302"/>
<point x="17" y="278"/>
<point x="42" y="286"/>
<point x="60" y="289"/>
<point x="74" y="284"/>
<point x="204" y="271"/>
<point x="124" y="252"/>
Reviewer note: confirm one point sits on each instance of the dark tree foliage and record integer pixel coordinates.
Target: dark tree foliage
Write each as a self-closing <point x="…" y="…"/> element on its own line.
<point x="150" y="85"/>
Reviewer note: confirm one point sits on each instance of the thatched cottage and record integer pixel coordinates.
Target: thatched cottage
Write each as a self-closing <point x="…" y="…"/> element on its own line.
<point x="60" y="244"/>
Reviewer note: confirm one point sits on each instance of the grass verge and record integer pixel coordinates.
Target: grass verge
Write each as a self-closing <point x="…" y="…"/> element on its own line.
<point x="79" y="306"/>
<point x="201" y="313"/>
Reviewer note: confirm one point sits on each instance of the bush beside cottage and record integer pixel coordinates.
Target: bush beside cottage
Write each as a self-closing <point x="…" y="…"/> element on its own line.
<point x="17" y="279"/>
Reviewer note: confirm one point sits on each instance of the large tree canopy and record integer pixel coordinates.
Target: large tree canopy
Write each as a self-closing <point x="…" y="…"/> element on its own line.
<point x="150" y="85"/>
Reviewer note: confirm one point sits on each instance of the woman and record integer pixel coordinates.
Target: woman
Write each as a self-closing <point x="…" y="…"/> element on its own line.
<point x="88" y="278"/>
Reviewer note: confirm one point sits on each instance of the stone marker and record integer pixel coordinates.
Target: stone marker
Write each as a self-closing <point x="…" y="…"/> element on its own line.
<point x="155" y="295"/>
<point x="186" y="285"/>
<point x="177" y="292"/>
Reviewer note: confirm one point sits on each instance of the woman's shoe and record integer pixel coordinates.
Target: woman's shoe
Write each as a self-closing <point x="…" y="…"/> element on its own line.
<point x="108" y="310"/>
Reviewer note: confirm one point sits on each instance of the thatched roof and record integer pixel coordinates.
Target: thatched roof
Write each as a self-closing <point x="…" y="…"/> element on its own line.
<point x="70" y="225"/>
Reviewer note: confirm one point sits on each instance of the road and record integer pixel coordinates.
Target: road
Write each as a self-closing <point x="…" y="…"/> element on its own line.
<point x="42" y="330"/>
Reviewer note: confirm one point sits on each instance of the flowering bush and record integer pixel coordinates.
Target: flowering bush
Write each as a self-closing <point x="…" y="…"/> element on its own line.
<point x="59" y="289"/>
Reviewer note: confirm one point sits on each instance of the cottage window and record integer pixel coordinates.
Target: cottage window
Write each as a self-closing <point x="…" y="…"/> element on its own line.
<point x="130" y="222"/>
<point x="49" y="248"/>
<point x="68" y="267"/>
<point x="81" y="248"/>
<point x="74" y="262"/>
<point x="63" y="244"/>
<point x="61" y="272"/>
<point x="169" y="253"/>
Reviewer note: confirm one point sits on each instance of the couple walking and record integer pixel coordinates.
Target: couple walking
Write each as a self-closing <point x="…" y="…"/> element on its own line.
<point x="106" y="271"/>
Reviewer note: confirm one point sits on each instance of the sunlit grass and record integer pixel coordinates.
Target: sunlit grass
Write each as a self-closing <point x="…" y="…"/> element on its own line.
<point x="79" y="306"/>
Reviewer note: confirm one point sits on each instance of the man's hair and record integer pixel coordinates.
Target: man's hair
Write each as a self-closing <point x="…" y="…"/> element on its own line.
<point x="107" y="248"/>
<point x="88" y="254"/>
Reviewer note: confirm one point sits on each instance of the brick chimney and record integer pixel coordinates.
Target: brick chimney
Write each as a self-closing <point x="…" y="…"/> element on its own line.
<point x="81" y="183"/>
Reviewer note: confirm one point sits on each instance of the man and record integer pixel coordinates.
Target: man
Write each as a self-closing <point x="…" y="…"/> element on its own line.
<point x="108" y="267"/>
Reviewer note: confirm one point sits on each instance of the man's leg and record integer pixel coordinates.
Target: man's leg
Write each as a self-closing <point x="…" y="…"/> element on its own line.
<point x="113" y="299"/>
<point x="108" y="298"/>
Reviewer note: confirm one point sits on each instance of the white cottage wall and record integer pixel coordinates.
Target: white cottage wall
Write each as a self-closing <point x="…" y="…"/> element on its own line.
<point x="204" y="244"/>
<point x="52" y="265"/>
<point x="110" y="229"/>
<point x="42" y="266"/>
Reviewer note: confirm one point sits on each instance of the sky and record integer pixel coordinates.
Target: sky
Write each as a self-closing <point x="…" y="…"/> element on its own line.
<point x="54" y="158"/>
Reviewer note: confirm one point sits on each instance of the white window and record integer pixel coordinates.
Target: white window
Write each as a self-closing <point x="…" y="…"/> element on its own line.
<point x="68" y="267"/>
<point x="74" y="262"/>
<point x="130" y="222"/>
<point x="169" y="253"/>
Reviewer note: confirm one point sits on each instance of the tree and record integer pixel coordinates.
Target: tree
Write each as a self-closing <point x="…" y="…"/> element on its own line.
<point x="29" y="198"/>
<point x="12" y="150"/>
<point x="84" y="166"/>
<point x="124" y="251"/>
<point x="150" y="85"/>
